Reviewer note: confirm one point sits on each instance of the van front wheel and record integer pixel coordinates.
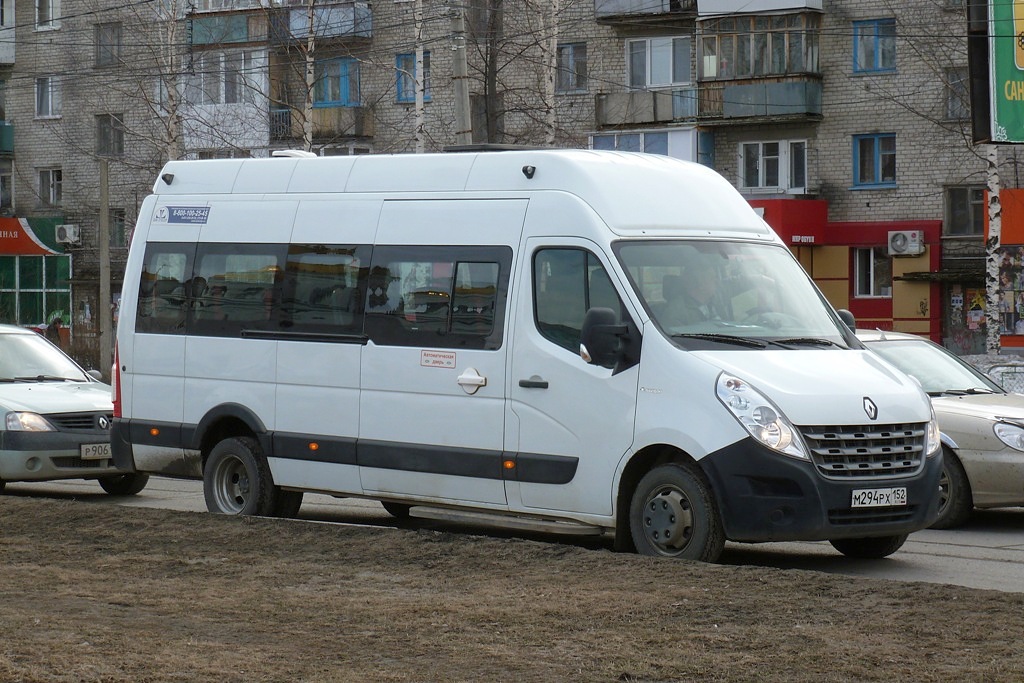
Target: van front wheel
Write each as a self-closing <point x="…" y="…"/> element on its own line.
<point x="237" y="481"/>
<point x="673" y="514"/>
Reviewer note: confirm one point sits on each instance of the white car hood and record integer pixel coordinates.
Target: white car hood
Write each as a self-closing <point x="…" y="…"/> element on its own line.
<point x="55" y="397"/>
<point x="984" y="406"/>
<point x="828" y="386"/>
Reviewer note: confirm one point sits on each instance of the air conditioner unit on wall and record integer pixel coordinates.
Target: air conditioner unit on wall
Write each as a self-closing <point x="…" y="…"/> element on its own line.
<point x="68" y="234"/>
<point x="906" y="243"/>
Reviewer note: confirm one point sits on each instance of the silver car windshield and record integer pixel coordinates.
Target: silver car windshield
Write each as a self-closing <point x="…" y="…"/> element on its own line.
<point x="30" y="358"/>
<point x="938" y="371"/>
<point x="716" y="290"/>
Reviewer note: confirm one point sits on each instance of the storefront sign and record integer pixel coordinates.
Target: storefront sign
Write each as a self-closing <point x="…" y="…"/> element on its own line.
<point x="17" y="237"/>
<point x="1006" y="62"/>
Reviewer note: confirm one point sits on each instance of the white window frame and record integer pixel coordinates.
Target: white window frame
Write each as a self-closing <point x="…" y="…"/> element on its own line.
<point x="46" y="12"/>
<point x="789" y="153"/>
<point x="221" y="78"/>
<point x="51" y="184"/>
<point x="48" y="97"/>
<point x="865" y="260"/>
<point x="653" y="49"/>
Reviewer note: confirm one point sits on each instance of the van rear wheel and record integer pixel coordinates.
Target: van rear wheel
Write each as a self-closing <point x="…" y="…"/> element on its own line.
<point x="237" y="481"/>
<point x="869" y="548"/>
<point x="673" y="514"/>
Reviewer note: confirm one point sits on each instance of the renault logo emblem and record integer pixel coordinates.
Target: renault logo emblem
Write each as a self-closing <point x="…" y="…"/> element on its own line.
<point x="103" y="422"/>
<point x="870" y="408"/>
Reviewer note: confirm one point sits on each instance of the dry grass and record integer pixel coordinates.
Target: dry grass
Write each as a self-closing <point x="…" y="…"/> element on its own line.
<point x="106" y="593"/>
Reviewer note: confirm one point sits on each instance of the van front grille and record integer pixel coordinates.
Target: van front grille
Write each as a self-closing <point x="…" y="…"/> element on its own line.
<point x="866" y="451"/>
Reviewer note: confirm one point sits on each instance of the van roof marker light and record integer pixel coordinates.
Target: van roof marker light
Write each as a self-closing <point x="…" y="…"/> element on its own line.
<point x="528" y="171"/>
<point x="167" y="178"/>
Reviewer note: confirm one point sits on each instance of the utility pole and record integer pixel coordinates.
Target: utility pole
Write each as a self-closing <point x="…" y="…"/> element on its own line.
<point x="460" y="70"/>
<point x="103" y="310"/>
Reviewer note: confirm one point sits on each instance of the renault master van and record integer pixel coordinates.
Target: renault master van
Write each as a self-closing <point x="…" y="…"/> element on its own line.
<point x="592" y="342"/>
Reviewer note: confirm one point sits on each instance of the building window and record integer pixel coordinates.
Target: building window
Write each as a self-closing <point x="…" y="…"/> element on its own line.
<point x="744" y="47"/>
<point x="108" y="44"/>
<point x="50" y="182"/>
<point x="110" y="134"/>
<point x="221" y="77"/>
<point x="654" y="62"/>
<point x="958" y="93"/>
<point x="651" y="143"/>
<point x="406" y="77"/>
<point x="6" y="187"/>
<point x="872" y="272"/>
<point x="35" y="289"/>
<point x="776" y="166"/>
<point x="874" y="160"/>
<point x="48" y="96"/>
<point x="571" y="74"/>
<point x="337" y="83"/>
<point x="46" y="12"/>
<point x="118" y="229"/>
<point x="965" y="211"/>
<point x="874" y="45"/>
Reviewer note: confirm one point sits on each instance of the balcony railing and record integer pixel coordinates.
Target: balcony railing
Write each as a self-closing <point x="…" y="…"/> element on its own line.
<point x="328" y="122"/>
<point x="6" y="137"/>
<point x="626" y="10"/>
<point x="796" y="97"/>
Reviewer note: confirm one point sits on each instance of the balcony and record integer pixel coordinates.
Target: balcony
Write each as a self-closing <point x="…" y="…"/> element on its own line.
<point x="619" y="11"/>
<point x="784" y="98"/>
<point x="338" y="20"/>
<point x="328" y="122"/>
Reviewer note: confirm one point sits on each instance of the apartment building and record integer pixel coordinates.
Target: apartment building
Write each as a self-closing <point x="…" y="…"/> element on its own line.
<point x="844" y="122"/>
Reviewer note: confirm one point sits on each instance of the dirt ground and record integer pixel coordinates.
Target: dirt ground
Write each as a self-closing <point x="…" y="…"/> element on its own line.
<point x="107" y="593"/>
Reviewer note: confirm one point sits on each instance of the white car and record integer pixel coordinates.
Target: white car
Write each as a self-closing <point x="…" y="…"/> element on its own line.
<point x="982" y="426"/>
<point x="54" y="417"/>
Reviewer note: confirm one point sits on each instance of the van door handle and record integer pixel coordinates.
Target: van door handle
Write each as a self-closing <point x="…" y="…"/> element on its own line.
<point x="534" y="382"/>
<point x="471" y="380"/>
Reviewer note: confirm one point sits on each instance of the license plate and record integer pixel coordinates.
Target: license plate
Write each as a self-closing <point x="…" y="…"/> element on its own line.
<point x="871" y="498"/>
<point x="96" y="451"/>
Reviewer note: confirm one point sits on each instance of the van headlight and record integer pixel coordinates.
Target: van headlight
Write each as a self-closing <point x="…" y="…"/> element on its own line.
<point x="760" y="417"/>
<point x="934" y="444"/>
<point x="1010" y="434"/>
<point x="27" y="422"/>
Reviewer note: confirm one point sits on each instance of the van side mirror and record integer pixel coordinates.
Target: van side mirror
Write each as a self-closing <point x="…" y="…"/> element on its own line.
<point x="601" y="337"/>
<point x="847" y="319"/>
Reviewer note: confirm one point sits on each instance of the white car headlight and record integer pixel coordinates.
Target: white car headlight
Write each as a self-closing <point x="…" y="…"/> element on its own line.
<point x="760" y="417"/>
<point x="28" y="422"/>
<point x="1011" y="435"/>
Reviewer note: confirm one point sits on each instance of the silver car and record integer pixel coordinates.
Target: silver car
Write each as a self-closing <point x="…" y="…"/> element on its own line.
<point x="54" y="417"/>
<point x="982" y="426"/>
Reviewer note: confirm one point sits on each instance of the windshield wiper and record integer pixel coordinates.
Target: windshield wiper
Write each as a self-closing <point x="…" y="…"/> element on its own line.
<point x="724" y="339"/>
<point x="45" y="378"/>
<point x="810" y="341"/>
<point x="962" y="392"/>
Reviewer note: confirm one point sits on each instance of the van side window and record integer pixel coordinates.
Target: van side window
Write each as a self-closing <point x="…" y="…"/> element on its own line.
<point x="566" y="283"/>
<point x="236" y="287"/>
<point x="323" y="289"/>
<point x="163" y="295"/>
<point x="439" y="297"/>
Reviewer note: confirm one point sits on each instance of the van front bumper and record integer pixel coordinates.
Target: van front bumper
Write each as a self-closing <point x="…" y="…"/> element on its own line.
<point x="42" y="456"/>
<point x="765" y="496"/>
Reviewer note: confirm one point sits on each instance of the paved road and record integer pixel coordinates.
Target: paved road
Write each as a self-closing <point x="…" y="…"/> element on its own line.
<point x="987" y="553"/>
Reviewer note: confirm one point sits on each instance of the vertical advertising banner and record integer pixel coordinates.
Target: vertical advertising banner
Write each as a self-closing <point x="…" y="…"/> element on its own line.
<point x="1006" y="44"/>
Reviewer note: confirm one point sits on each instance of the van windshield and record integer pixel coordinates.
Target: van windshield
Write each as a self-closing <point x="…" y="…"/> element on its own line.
<point x="721" y="292"/>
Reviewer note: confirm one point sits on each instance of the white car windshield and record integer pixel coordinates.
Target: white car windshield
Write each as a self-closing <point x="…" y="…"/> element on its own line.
<point x="938" y="370"/>
<point x="30" y="358"/>
<point x="739" y="293"/>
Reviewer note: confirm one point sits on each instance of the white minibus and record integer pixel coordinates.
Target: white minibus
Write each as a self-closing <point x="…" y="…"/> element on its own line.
<point x="559" y="340"/>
